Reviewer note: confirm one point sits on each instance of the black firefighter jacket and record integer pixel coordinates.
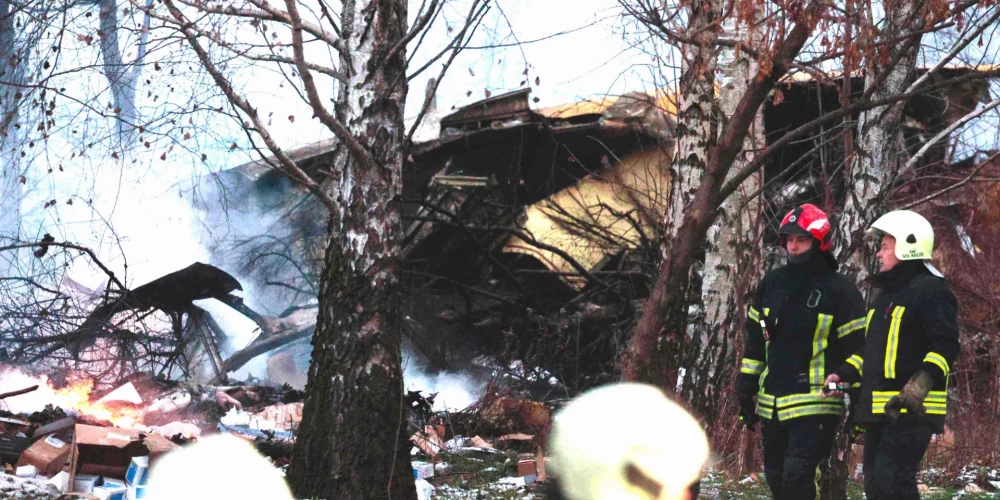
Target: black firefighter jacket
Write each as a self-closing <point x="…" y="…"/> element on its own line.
<point x="912" y="325"/>
<point x="813" y="319"/>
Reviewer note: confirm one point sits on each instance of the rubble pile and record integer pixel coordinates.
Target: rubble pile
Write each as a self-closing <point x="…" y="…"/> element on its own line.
<point x="493" y="448"/>
<point x="100" y="445"/>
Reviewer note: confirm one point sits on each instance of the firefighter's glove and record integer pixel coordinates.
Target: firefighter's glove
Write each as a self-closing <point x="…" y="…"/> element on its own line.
<point x="748" y="412"/>
<point x="911" y="397"/>
<point x="747" y="389"/>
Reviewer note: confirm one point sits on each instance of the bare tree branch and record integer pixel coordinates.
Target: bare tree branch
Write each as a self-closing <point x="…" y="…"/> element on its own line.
<point x="287" y="165"/>
<point x="946" y="133"/>
<point x="953" y="187"/>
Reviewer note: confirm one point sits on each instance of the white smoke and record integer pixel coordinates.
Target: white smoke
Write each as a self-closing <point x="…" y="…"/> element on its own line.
<point x="455" y="391"/>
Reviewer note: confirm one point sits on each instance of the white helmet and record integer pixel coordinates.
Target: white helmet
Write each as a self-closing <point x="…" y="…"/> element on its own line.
<point x="194" y="472"/>
<point x="914" y="235"/>
<point x="626" y="442"/>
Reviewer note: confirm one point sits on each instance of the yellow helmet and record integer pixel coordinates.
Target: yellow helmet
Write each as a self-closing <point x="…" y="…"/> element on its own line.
<point x="626" y="442"/>
<point x="914" y="235"/>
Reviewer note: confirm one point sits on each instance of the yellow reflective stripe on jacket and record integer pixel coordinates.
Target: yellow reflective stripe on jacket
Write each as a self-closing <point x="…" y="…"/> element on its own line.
<point x="871" y="312"/>
<point x="857" y="362"/>
<point x="764" y="412"/>
<point x="765" y="398"/>
<point x="851" y="327"/>
<point x="797" y="405"/>
<point x="754" y="315"/>
<point x="937" y="359"/>
<point x="815" y="409"/>
<point x="813" y="398"/>
<point x="765" y="403"/>
<point x="936" y="402"/>
<point x="931" y="396"/>
<point x="752" y="366"/>
<point x="763" y="375"/>
<point x="817" y="368"/>
<point x="892" y="345"/>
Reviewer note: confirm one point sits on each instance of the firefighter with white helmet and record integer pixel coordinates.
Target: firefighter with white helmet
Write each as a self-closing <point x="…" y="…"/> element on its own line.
<point x="805" y="320"/>
<point x="626" y="442"/>
<point x="911" y="343"/>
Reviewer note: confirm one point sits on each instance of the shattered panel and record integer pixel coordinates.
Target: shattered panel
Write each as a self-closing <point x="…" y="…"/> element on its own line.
<point x="599" y="217"/>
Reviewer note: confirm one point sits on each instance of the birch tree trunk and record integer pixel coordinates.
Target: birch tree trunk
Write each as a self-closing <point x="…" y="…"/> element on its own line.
<point x="696" y="108"/>
<point x="697" y="129"/>
<point x="12" y="71"/>
<point x="352" y="441"/>
<point x="877" y="151"/>
<point x="732" y="259"/>
<point x="122" y="78"/>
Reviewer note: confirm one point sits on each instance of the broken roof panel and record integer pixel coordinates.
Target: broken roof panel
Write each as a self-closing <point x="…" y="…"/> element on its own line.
<point x="512" y="105"/>
<point x="598" y="217"/>
<point x="598" y="106"/>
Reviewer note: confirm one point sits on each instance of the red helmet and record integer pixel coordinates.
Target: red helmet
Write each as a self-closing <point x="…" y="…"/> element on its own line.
<point x="809" y="220"/>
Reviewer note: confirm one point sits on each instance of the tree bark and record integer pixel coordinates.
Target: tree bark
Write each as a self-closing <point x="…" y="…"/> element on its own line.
<point x="877" y="151"/>
<point x="696" y="133"/>
<point x="732" y="259"/>
<point x="657" y="347"/>
<point x="11" y="70"/>
<point x="697" y="125"/>
<point x="352" y="441"/>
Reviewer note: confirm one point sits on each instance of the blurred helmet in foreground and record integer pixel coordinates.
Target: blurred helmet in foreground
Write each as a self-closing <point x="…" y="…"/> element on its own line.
<point x="626" y="441"/>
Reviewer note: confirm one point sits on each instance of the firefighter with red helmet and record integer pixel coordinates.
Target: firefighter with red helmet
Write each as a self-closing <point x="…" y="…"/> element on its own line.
<point x="804" y="322"/>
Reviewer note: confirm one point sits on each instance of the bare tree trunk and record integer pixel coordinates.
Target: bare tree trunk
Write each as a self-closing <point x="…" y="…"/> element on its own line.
<point x="877" y="151"/>
<point x="11" y="70"/>
<point x="121" y="77"/>
<point x="732" y="260"/>
<point x="697" y="129"/>
<point x="657" y="346"/>
<point x="352" y="441"/>
<point x="697" y="125"/>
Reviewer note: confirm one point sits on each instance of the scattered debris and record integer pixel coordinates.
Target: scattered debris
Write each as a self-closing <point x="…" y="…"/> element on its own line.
<point x="424" y="489"/>
<point x="125" y="393"/>
<point x="429" y="441"/>
<point x="47" y="455"/>
<point x="19" y="488"/>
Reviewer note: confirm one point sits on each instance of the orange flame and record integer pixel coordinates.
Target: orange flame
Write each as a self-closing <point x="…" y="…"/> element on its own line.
<point x="76" y="396"/>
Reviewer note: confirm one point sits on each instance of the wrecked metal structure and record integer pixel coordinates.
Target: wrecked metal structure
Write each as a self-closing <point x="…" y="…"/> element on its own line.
<point x="531" y="234"/>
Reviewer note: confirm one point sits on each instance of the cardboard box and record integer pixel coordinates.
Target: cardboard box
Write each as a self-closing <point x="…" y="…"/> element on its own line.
<point x="109" y="451"/>
<point x="118" y="483"/>
<point x="526" y="468"/>
<point x="111" y="491"/>
<point x="48" y="455"/>
<point x="138" y="471"/>
<point x="136" y="492"/>
<point x="85" y="483"/>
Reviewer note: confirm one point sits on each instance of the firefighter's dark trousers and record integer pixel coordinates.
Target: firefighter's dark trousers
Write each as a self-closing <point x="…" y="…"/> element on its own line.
<point x="792" y="453"/>
<point x="893" y="452"/>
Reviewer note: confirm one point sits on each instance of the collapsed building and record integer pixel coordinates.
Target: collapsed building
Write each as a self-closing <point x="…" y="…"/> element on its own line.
<point x="530" y="235"/>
